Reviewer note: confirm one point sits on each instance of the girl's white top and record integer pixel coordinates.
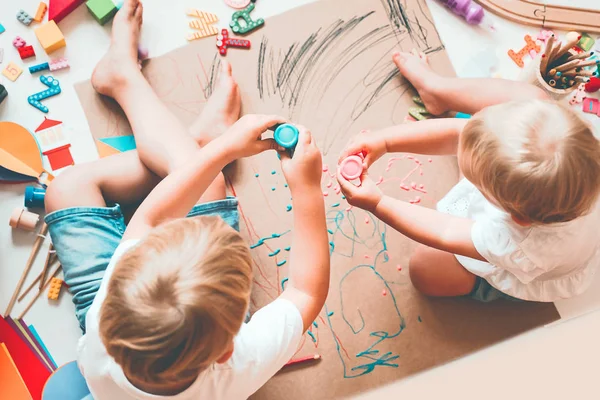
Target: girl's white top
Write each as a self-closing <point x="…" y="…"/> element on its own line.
<point x="538" y="262"/>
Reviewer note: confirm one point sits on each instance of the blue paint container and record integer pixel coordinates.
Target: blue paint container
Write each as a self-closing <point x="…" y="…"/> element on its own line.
<point x="286" y="135"/>
<point x="34" y="197"/>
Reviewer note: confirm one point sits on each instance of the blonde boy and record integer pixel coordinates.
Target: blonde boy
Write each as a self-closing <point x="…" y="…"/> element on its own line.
<point x="523" y="222"/>
<point x="162" y="300"/>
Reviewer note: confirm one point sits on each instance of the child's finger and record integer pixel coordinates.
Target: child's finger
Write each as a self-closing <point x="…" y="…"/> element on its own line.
<point x="267" y="144"/>
<point x="263" y="122"/>
<point x="347" y="187"/>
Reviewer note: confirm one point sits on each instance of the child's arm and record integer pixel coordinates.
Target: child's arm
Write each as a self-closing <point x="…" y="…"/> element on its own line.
<point x="429" y="227"/>
<point x="309" y="259"/>
<point x="175" y="195"/>
<point x="433" y="136"/>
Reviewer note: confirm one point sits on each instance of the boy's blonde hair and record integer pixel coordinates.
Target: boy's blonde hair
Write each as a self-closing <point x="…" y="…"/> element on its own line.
<point x="537" y="159"/>
<point x="176" y="300"/>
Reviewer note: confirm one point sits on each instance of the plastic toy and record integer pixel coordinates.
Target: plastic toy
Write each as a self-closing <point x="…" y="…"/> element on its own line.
<point x="239" y="4"/>
<point x="39" y="67"/>
<point x="593" y="85"/>
<point x="471" y="12"/>
<point x="26" y="52"/>
<point x="12" y="71"/>
<point x="530" y="45"/>
<point x="3" y="93"/>
<point x="2" y="29"/>
<point x="286" y="135"/>
<point x="24" y="18"/>
<point x="19" y="42"/>
<point x="250" y="24"/>
<point x="53" y="90"/>
<point x="102" y="10"/>
<point x="224" y="42"/>
<point x="50" y="37"/>
<point x="20" y="218"/>
<point x="351" y="167"/>
<point x="41" y="11"/>
<point x="591" y="106"/>
<point x="34" y="197"/>
<point x="54" y="289"/>
<point x="58" y="9"/>
<point x="58" y="63"/>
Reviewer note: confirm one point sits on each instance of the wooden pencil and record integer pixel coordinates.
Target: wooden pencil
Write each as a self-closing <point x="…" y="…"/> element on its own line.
<point x="34" y="251"/>
<point x="581" y="56"/>
<point x="39" y="293"/>
<point x="46" y="265"/>
<point x="568" y="65"/>
<point x="582" y="79"/>
<point x="568" y="44"/>
<point x="587" y="63"/>
<point x="553" y="52"/>
<point x="303" y="360"/>
<point x="544" y="62"/>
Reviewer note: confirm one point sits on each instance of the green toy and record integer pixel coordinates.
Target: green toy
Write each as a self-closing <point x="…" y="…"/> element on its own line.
<point x="245" y="15"/>
<point x="102" y="10"/>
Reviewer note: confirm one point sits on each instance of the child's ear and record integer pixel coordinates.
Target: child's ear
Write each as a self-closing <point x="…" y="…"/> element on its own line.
<point x="226" y="356"/>
<point x="520" y="221"/>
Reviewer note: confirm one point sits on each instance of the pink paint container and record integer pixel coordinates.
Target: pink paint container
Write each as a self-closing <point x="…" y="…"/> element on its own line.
<point x="352" y="167"/>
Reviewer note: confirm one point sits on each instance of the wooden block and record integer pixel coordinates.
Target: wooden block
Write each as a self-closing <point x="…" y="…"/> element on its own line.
<point x="50" y="37"/>
<point x="12" y="71"/>
<point x="41" y="11"/>
<point x="58" y="9"/>
<point x="530" y="45"/>
<point x="102" y="10"/>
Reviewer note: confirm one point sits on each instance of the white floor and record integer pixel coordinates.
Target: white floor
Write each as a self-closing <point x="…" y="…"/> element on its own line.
<point x="551" y="362"/>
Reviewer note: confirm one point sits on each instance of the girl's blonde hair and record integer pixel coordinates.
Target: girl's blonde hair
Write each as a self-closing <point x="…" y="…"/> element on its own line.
<point x="537" y="159"/>
<point x="176" y="300"/>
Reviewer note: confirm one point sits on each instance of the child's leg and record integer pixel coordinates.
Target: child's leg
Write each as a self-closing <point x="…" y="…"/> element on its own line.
<point x="438" y="273"/>
<point x="163" y="142"/>
<point x="468" y="95"/>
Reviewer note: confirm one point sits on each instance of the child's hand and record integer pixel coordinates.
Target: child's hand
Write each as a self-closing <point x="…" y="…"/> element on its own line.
<point x="244" y="137"/>
<point x="368" y="142"/>
<point x="366" y="196"/>
<point x="304" y="169"/>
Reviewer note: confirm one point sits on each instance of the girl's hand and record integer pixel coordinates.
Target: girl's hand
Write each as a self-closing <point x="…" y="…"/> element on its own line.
<point x="372" y="145"/>
<point x="304" y="169"/>
<point x="366" y="196"/>
<point x="244" y="137"/>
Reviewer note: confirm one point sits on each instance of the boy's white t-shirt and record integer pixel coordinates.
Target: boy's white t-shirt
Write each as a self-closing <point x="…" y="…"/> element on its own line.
<point x="538" y="262"/>
<point x="261" y="348"/>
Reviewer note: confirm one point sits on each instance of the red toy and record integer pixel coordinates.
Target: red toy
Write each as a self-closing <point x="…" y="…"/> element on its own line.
<point x="224" y="42"/>
<point x="26" y="52"/>
<point x="593" y="85"/>
<point x="61" y="8"/>
<point x="591" y="106"/>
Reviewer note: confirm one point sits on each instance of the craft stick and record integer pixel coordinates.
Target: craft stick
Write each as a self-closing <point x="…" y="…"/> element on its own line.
<point x="46" y="265"/>
<point x="34" y="251"/>
<point x="581" y="56"/>
<point x="303" y="360"/>
<point x="26" y="291"/>
<point x="39" y="293"/>
<point x="544" y="62"/>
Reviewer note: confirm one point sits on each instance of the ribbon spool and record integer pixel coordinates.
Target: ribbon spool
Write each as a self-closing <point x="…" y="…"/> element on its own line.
<point x="23" y="219"/>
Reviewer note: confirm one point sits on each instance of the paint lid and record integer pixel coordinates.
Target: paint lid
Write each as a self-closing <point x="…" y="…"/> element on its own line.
<point x="286" y="135"/>
<point x="351" y="167"/>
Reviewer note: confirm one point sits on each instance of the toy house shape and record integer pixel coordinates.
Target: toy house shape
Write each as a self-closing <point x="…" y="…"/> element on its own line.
<point x="54" y="144"/>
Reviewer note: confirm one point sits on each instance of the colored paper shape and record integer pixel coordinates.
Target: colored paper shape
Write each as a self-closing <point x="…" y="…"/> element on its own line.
<point x="33" y="372"/>
<point x="12" y="385"/>
<point x="40" y="342"/>
<point x="19" y="152"/>
<point x="22" y="334"/>
<point x="8" y="176"/>
<point x="121" y="143"/>
<point x="59" y="157"/>
<point x="42" y="350"/>
<point x="66" y="383"/>
<point x="105" y="150"/>
<point x="58" y="9"/>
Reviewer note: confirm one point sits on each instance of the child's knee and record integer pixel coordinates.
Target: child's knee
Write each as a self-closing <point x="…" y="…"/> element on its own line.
<point x="419" y="269"/>
<point x="65" y="187"/>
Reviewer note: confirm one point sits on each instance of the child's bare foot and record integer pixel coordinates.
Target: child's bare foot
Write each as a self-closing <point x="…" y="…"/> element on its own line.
<point x="221" y="110"/>
<point x="120" y="64"/>
<point x="414" y="67"/>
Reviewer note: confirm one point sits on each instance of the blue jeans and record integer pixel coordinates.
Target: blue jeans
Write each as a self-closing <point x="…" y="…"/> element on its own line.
<point x="483" y="291"/>
<point x="85" y="239"/>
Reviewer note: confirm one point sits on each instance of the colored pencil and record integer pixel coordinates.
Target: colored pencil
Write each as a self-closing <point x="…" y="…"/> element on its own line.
<point x="544" y="62"/>
<point x="581" y="56"/>
<point x="568" y="65"/>
<point x="303" y="360"/>
<point x="34" y="251"/>
<point x="568" y="44"/>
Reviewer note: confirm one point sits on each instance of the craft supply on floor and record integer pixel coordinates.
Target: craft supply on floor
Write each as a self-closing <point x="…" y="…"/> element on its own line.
<point x="18" y="42"/>
<point x="50" y="37"/>
<point x="39" y="293"/>
<point x="54" y="289"/>
<point x="13" y="387"/>
<point x="59" y="9"/>
<point x="39" y="67"/>
<point x="24" y="18"/>
<point x="224" y="42"/>
<point x="249" y="24"/>
<point x="303" y="360"/>
<point x="67" y="383"/>
<point x="20" y="218"/>
<point x="41" y="11"/>
<point x="530" y="45"/>
<point x="34" y="197"/>
<point x="352" y="167"/>
<point x="26" y="52"/>
<point x="286" y="135"/>
<point x="205" y="24"/>
<point x="238" y="4"/>
<point x="53" y="90"/>
<point x="102" y="10"/>
<point x="59" y="63"/>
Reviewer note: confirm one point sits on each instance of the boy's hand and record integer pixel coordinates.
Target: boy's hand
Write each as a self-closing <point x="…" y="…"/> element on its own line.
<point x="304" y="169"/>
<point x="366" y="196"/>
<point x="370" y="143"/>
<point x="244" y="137"/>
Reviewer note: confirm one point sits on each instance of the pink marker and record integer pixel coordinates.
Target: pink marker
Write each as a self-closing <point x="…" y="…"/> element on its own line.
<point x="352" y="167"/>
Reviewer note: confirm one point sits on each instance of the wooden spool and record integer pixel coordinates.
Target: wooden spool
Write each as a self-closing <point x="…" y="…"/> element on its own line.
<point x="23" y="219"/>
